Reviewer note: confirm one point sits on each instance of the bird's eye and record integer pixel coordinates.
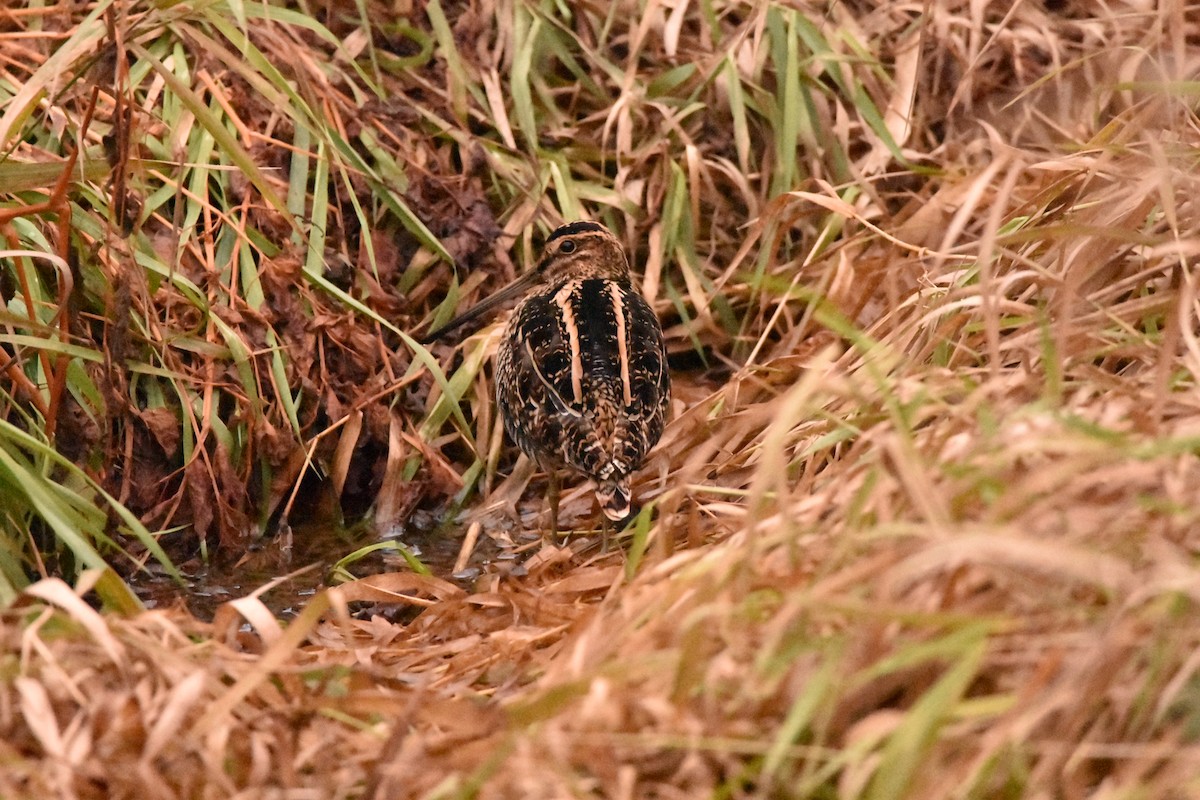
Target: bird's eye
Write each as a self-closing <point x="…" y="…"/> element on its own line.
<point x="567" y="247"/>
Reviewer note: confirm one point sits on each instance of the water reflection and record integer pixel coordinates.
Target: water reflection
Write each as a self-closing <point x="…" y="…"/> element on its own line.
<point x="299" y="562"/>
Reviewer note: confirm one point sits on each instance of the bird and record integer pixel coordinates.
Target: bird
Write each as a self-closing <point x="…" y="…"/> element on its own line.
<point x="581" y="378"/>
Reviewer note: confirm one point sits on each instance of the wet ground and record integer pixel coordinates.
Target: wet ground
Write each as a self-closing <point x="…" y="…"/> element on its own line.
<point x="290" y="567"/>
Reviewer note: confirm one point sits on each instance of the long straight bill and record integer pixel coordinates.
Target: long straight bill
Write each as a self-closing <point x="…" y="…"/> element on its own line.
<point x="514" y="289"/>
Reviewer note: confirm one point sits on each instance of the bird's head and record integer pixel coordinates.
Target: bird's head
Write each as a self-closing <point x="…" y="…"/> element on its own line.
<point x="582" y="250"/>
<point x="576" y="251"/>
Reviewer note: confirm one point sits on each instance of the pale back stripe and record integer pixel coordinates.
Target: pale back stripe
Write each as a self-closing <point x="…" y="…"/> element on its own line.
<point x="614" y="291"/>
<point x="562" y="299"/>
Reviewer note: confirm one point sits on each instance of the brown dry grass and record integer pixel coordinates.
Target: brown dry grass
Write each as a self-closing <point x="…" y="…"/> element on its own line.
<point x="934" y="536"/>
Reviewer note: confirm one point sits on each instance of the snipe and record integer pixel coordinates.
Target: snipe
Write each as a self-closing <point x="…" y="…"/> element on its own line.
<point x="581" y="373"/>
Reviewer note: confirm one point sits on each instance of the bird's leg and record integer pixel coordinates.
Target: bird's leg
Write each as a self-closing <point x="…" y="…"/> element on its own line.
<point x="603" y="532"/>
<point x="552" y="497"/>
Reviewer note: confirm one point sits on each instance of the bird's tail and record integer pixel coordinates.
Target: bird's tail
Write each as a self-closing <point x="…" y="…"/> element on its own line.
<point x="614" y="498"/>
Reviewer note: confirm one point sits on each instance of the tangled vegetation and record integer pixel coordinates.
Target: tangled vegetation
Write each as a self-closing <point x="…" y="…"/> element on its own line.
<point x="923" y="523"/>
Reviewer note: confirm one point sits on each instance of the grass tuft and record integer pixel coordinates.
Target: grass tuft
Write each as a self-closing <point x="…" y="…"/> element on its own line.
<point x="923" y="521"/>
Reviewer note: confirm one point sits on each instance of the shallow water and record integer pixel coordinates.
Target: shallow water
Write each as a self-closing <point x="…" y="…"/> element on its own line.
<point x="299" y="563"/>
